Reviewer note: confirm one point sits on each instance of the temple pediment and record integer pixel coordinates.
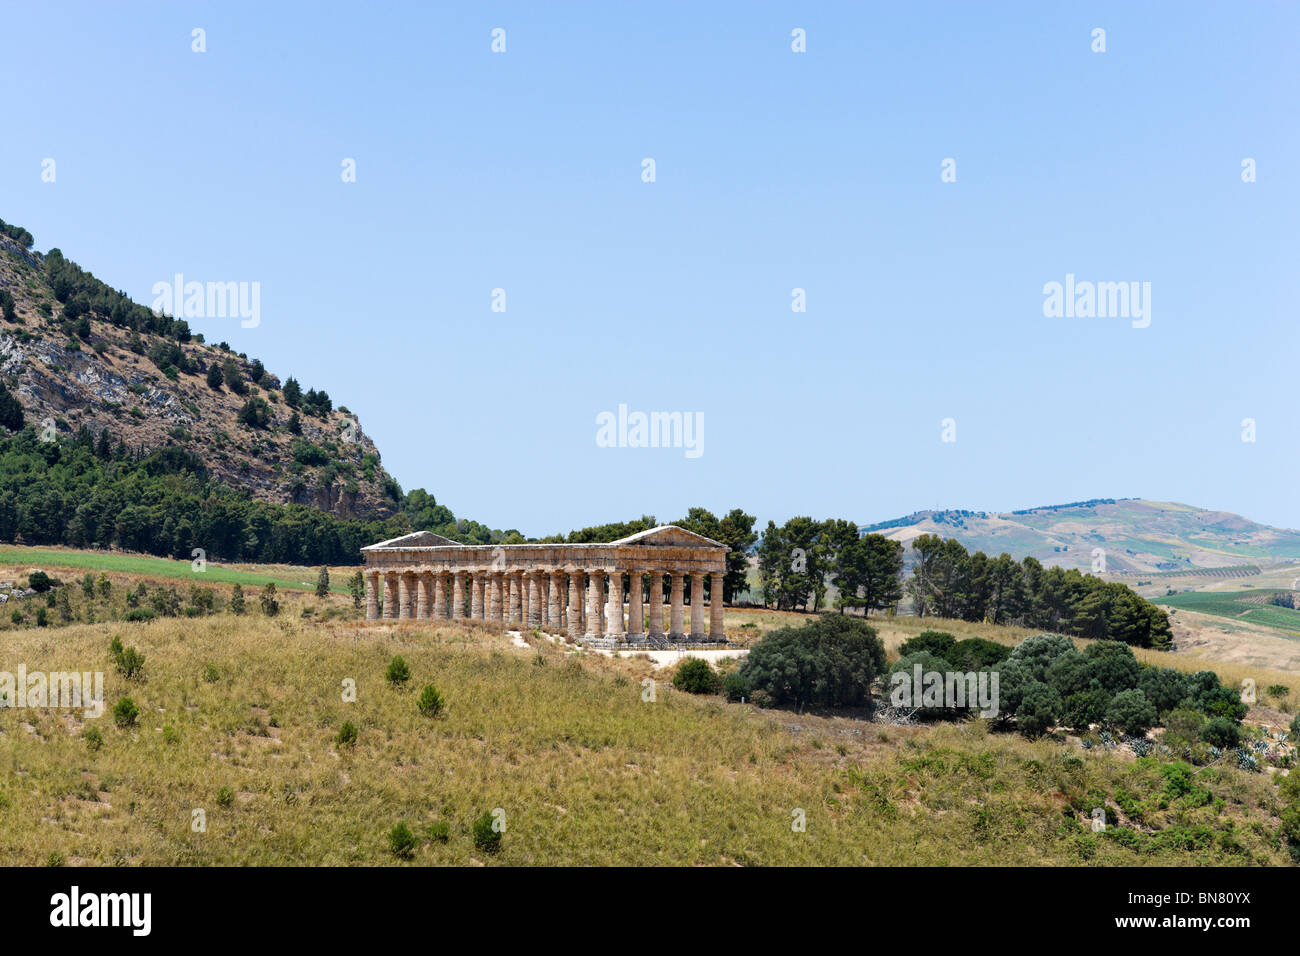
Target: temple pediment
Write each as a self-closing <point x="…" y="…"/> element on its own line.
<point x="416" y="539"/>
<point x="670" y="536"/>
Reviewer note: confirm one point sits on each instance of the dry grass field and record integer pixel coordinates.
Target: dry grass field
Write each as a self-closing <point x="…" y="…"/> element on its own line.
<point x="239" y="718"/>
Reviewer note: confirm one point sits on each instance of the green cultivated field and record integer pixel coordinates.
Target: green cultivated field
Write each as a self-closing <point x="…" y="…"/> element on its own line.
<point x="20" y="559"/>
<point x="1237" y="605"/>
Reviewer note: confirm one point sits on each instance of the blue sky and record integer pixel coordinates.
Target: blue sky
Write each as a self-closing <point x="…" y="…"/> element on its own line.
<point x="774" y="170"/>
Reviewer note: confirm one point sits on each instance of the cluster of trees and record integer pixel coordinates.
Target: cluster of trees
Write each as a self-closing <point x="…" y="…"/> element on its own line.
<point x="93" y="493"/>
<point x="82" y="294"/>
<point x="798" y="561"/>
<point x="831" y="661"/>
<point x="315" y="403"/>
<point x="948" y="581"/>
<point x="1045" y="682"/>
<point x="85" y="493"/>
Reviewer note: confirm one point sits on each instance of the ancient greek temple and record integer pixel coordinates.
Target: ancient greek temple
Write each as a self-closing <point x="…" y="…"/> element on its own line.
<point x="597" y="593"/>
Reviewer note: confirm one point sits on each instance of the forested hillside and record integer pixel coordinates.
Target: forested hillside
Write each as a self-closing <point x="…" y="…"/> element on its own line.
<point x="122" y="427"/>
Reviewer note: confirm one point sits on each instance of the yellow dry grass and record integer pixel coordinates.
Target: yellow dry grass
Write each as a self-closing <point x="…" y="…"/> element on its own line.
<point x="583" y="768"/>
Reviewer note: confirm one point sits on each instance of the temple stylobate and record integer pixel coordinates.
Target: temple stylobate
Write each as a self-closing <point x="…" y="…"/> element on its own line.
<point x="593" y="592"/>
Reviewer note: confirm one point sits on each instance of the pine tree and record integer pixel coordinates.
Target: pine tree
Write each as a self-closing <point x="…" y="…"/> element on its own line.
<point x="323" y="583"/>
<point x="11" y="411"/>
<point x="237" y="600"/>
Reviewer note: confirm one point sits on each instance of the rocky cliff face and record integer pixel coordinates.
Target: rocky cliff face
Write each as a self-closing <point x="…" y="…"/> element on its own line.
<point x="71" y="375"/>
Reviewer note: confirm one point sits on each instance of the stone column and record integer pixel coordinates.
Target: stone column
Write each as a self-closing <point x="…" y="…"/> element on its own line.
<point x="404" y="595"/>
<point x="496" y="581"/>
<point x="439" y="595"/>
<point x="699" y="627"/>
<point x="372" y="595"/>
<point x="390" y="596"/>
<point x="556" y="602"/>
<point x="614" y="625"/>
<point x="596" y="604"/>
<point x="424" y="596"/>
<point x="656" y="604"/>
<point x="534" y="599"/>
<point x="512" y="585"/>
<point x="676" y="609"/>
<point x="575" y="604"/>
<point x="715" y="606"/>
<point x="635" y="615"/>
<point x="476" y="581"/>
<point x="458" y="595"/>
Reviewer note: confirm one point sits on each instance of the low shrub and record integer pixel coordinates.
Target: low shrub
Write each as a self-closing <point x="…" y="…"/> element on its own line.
<point x="695" y="676"/>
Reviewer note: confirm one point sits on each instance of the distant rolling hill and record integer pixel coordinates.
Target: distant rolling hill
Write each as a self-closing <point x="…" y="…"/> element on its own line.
<point x="1138" y="536"/>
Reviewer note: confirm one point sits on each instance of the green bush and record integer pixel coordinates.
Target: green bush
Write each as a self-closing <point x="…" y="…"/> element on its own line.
<point x="140" y="614"/>
<point x="94" y="739"/>
<point x="1221" y="732"/>
<point x="225" y="797"/>
<point x="695" y="676"/>
<point x="938" y="643"/>
<point x="210" y="674"/>
<point x="439" y="832"/>
<point x="40" y="582"/>
<point x="398" y="672"/>
<point x="347" y="735"/>
<point x="431" y="703"/>
<point x="129" y="661"/>
<point x="125" y="713"/>
<point x="486" y="836"/>
<point x="1039" y="710"/>
<point x="830" y="662"/>
<point x="401" y="841"/>
<point x="737" y="687"/>
<point x="270" y="605"/>
<point x="1131" y="712"/>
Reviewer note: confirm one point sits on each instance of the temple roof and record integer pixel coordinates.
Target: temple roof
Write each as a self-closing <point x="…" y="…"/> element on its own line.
<point x="416" y="539"/>
<point x="669" y="535"/>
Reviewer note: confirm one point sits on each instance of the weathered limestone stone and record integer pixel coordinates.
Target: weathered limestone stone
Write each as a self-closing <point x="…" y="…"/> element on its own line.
<point x="458" y="595"/>
<point x="614" y="616"/>
<point x="476" y="584"/>
<point x="425" y="600"/>
<point x="715" y="606"/>
<point x="496" y="582"/>
<point x="596" y="604"/>
<point x="699" y="626"/>
<point x="424" y="575"/>
<point x="676" y="621"/>
<point x="635" y="618"/>
<point x="390" y="596"/>
<point x="574" y="620"/>
<point x="372" y="596"/>
<point x="440" y="596"/>
<point x="555" y="604"/>
<point x="512" y="594"/>
<point x="657" y="604"/>
<point x="535" y="599"/>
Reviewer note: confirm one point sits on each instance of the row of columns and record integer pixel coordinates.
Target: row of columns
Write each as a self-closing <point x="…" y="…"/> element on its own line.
<point x="537" y="599"/>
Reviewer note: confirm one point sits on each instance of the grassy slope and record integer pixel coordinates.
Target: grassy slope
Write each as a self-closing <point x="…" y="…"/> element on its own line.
<point x="585" y="771"/>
